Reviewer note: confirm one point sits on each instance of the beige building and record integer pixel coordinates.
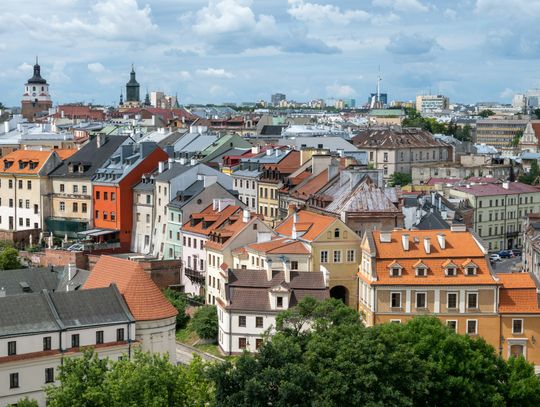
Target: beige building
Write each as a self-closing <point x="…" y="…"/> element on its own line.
<point x="334" y="248"/>
<point x="431" y="103"/>
<point x="499" y="133"/>
<point x="392" y="150"/>
<point x="498" y="210"/>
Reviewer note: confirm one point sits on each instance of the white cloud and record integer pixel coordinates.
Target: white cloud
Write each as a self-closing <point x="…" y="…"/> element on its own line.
<point x="341" y="91"/>
<point x="215" y="73"/>
<point x="507" y="93"/>
<point x="96" y="67"/>
<point x="121" y="20"/>
<point x="505" y="8"/>
<point x="450" y="13"/>
<point x="226" y="16"/>
<point x="402" y="5"/>
<point x="24" y="67"/>
<point x="184" y="75"/>
<point x="411" y="44"/>
<point x="320" y="13"/>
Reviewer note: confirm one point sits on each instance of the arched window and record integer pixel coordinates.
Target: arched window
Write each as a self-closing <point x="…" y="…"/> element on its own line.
<point x="336" y="232"/>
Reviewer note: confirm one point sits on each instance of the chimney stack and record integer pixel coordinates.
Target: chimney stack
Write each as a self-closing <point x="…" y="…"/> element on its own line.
<point x="505" y="185"/>
<point x="246" y="216"/>
<point x="405" y="241"/>
<point x="385" y="236"/>
<point x="427" y="245"/>
<point x="286" y="272"/>
<point x="161" y="166"/>
<point x="441" y="237"/>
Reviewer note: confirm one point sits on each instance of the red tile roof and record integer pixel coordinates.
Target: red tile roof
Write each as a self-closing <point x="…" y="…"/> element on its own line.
<point x="497" y="189"/>
<point x="518" y="294"/>
<point x="280" y="246"/>
<point x="144" y="299"/>
<point x="313" y="224"/>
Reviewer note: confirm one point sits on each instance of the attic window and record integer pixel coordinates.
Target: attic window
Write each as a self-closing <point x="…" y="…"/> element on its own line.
<point x="421" y="271"/>
<point x="81" y="168"/>
<point x="451" y="271"/>
<point x="22" y="164"/>
<point x="336" y="232"/>
<point x="33" y="165"/>
<point x="395" y="272"/>
<point x="7" y="164"/>
<point x="471" y="271"/>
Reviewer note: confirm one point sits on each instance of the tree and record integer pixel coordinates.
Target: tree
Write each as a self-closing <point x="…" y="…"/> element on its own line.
<point x="9" y="259"/>
<point x="25" y="402"/>
<point x="144" y="380"/>
<point x="343" y="363"/>
<point x="463" y="133"/>
<point x="516" y="139"/>
<point x="205" y="322"/>
<point x="2" y="107"/>
<point x="399" y="178"/>
<point x="486" y="113"/>
<point x="531" y="176"/>
<point x="178" y="301"/>
<point x="536" y="112"/>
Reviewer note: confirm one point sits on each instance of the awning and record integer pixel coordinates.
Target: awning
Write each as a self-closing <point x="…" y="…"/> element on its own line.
<point x="97" y="232"/>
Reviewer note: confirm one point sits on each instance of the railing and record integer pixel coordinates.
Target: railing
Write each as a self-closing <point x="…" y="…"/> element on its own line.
<point x="194" y="275"/>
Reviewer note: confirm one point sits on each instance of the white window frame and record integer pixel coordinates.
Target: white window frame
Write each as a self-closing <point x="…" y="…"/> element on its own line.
<point x="416" y="299"/>
<point x="392" y="271"/>
<point x="326" y="256"/>
<point x="457" y="299"/>
<point x="467" y="299"/>
<point x="421" y="268"/>
<point x="400" y="299"/>
<point x="334" y="252"/>
<point x="351" y="259"/>
<point x="514" y="332"/>
<point x="475" y="327"/>
<point x="453" y="320"/>
<point x="448" y="274"/>
<point x="466" y="269"/>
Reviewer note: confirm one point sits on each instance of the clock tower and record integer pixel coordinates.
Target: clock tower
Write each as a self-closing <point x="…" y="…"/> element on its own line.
<point x="36" y="98"/>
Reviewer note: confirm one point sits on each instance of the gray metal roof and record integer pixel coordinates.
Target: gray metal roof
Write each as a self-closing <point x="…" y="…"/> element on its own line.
<point x="96" y="306"/>
<point x="37" y="279"/>
<point x="173" y="172"/>
<point x="46" y="311"/>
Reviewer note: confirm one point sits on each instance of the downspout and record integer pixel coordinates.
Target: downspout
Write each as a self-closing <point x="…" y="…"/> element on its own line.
<point x="230" y="333"/>
<point x="129" y="340"/>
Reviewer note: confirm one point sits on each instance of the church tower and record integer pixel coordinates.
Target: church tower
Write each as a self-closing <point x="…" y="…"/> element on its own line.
<point x="132" y="90"/>
<point x="36" y="98"/>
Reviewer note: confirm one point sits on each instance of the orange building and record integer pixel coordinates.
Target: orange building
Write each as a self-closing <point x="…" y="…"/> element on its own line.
<point x="445" y="273"/>
<point x="112" y="190"/>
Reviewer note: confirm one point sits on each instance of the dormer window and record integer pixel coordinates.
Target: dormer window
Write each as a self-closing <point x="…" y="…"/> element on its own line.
<point x="451" y="271"/>
<point x="279" y="302"/>
<point x="420" y="268"/>
<point x="470" y="267"/>
<point x="395" y="269"/>
<point x="336" y="233"/>
<point x="33" y="165"/>
<point x="22" y="164"/>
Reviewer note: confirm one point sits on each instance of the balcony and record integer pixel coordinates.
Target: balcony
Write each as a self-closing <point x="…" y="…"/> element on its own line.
<point x="512" y="234"/>
<point x="195" y="276"/>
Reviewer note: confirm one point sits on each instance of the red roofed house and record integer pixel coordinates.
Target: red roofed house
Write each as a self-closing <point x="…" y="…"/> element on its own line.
<point x="155" y="317"/>
<point x="445" y="273"/>
<point x="520" y="317"/>
<point x="334" y="249"/>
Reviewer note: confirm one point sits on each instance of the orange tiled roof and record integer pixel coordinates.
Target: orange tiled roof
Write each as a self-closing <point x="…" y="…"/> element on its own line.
<point x="27" y="156"/>
<point x="458" y="244"/>
<point x="313" y="224"/>
<point x="435" y="273"/>
<point x="280" y="246"/>
<point x="518" y="300"/>
<point x="230" y="231"/>
<point x="144" y="299"/>
<point x="312" y="186"/>
<point x="516" y="280"/>
<point x="208" y="214"/>
<point x="65" y="153"/>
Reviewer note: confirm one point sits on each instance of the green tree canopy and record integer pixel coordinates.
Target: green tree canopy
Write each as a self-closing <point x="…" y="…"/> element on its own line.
<point x="205" y="322"/>
<point x="486" y="113"/>
<point x="399" y="178"/>
<point x="9" y="259"/>
<point x="180" y="302"/>
<point x="145" y="380"/>
<point x="531" y="176"/>
<point x="421" y="363"/>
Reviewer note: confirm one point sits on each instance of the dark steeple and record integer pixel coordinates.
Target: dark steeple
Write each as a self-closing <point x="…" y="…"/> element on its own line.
<point x="132" y="87"/>
<point x="147" y="99"/>
<point x="121" y="98"/>
<point x="37" y="74"/>
<point x="176" y="104"/>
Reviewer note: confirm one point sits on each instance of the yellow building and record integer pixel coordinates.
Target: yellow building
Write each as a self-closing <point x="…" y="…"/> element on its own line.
<point x="334" y="247"/>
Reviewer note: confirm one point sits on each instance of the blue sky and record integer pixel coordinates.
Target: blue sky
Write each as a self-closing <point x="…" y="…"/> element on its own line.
<point x="244" y="50"/>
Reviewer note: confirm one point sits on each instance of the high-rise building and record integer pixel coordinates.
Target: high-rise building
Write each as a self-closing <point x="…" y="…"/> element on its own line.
<point x="277" y="97"/>
<point x="36" y="98"/>
<point x="383" y="98"/>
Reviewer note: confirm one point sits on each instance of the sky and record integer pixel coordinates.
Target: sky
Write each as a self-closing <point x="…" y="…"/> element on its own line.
<point x="213" y="51"/>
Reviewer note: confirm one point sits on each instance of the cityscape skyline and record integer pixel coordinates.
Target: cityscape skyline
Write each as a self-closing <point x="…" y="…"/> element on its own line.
<point x="241" y="50"/>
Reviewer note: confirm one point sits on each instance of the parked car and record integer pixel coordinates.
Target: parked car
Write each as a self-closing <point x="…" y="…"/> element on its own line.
<point x="76" y="247"/>
<point x="495" y="257"/>
<point x="506" y="254"/>
<point x="516" y="252"/>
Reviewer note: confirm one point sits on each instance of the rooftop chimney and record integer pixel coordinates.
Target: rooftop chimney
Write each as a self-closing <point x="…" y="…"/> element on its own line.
<point x="505" y="185"/>
<point x="441" y="237"/>
<point x="270" y="151"/>
<point x="2" y="292"/>
<point x="458" y="227"/>
<point x="427" y="245"/>
<point x="161" y="166"/>
<point x="70" y="271"/>
<point x="246" y="216"/>
<point x="183" y="160"/>
<point x="286" y="271"/>
<point x="405" y="241"/>
<point x="193" y="161"/>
